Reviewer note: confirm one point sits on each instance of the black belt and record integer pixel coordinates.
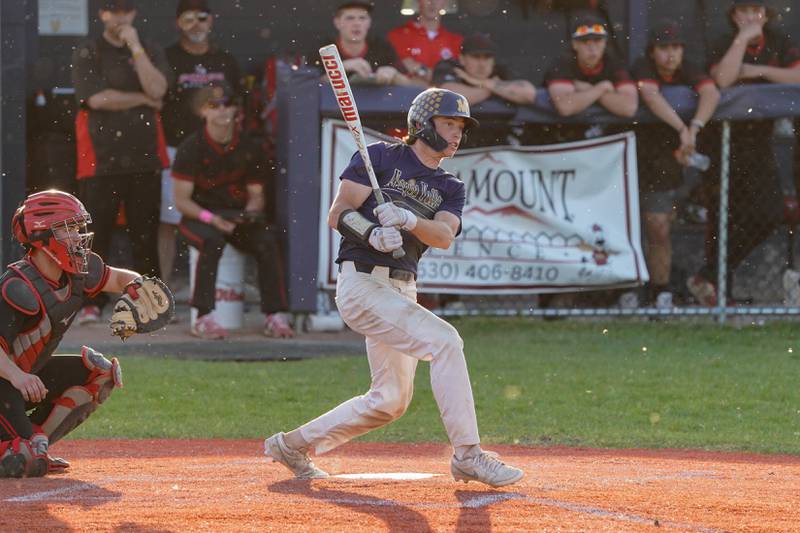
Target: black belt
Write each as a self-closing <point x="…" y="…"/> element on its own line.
<point x="394" y="273"/>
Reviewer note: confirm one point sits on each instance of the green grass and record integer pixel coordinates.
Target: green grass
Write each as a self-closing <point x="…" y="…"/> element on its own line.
<point x="617" y="384"/>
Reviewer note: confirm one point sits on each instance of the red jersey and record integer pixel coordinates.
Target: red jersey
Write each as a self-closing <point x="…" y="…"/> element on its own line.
<point x="411" y="40"/>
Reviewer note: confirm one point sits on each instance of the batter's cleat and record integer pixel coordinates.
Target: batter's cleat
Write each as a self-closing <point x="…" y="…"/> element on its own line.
<point x="485" y="467"/>
<point x="56" y="465"/>
<point x="295" y="460"/>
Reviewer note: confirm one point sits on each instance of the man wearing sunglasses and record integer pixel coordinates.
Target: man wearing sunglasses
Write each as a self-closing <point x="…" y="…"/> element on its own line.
<point x="120" y="82"/>
<point x="196" y="62"/>
<point x="219" y="179"/>
<point x="588" y="75"/>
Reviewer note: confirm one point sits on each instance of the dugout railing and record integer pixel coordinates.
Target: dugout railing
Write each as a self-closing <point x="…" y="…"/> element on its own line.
<point x="303" y="101"/>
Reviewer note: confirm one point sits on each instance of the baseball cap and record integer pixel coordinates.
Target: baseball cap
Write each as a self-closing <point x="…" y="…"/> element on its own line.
<point x="192" y="5"/>
<point x="219" y="91"/>
<point x="735" y="3"/>
<point x="588" y="27"/>
<point x="478" y="43"/>
<point x="666" y="32"/>
<point x="118" y="5"/>
<point x="362" y="4"/>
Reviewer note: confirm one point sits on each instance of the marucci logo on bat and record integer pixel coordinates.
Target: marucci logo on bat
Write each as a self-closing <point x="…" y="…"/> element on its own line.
<point x="337" y="78"/>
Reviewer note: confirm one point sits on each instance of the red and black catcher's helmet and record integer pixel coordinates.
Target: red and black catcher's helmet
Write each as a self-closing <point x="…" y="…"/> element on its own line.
<point x="55" y="222"/>
<point x="436" y="103"/>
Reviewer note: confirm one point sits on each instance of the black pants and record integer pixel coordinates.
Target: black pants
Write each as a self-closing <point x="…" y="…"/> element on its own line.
<point x="755" y="197"/>
<point x="253" y="239"/>
<point x="58" y="374"/>
<point x="141" y="195"/>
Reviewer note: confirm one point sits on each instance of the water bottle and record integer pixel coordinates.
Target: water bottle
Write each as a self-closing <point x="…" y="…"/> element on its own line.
<point x="699" y="161"/>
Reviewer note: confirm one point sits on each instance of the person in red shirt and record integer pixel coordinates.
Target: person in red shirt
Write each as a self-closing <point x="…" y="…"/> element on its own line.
<point x="422" y="43"/>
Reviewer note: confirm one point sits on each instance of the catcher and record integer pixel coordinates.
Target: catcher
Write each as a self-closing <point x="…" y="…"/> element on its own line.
<point x="43" y="397"/>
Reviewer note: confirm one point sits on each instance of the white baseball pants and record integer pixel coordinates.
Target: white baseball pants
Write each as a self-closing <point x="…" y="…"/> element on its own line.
<point x="399" y="332"/>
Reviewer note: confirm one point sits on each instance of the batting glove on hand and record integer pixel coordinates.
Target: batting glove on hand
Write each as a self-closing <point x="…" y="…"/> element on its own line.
<point x="390" y="215"/>
<point x="386" y="239"/>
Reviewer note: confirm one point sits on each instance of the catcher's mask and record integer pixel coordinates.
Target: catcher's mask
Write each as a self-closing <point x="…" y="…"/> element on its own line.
<point x="437" y="103"/>
<point x="56" y="223"/>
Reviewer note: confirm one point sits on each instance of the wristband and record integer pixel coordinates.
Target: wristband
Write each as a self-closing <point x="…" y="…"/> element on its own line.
<point x="206" y="216"/>
<point x="136" y="52"/>
<point x="697" y="124"/>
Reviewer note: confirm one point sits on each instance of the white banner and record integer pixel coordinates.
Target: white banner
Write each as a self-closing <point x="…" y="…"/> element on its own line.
<point x="537" y="218"/>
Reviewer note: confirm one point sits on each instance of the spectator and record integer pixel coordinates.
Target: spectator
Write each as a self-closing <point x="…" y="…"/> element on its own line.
<point x="119" y="85"/>
<point x="219" y="190"/>
<point x="366" y="59"/>
<point x="589" y="74"/>
<point x="195" y="62"/>
<point x="664" y="148"/>
<point x="478" y="77"/>
<point x="754" y="53"/>
<point x="422" y="43"/>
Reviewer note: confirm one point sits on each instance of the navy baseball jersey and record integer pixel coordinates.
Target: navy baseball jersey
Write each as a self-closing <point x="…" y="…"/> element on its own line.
<point x="408" y="183"/>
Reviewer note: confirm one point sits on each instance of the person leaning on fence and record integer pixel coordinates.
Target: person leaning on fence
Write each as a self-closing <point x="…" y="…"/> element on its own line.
<point x="195" y="62"/>
<point x="422" y="42"/>
<point x="119" y="85"/>
<point x="754" y="52"/>
<point x="367" y="59"/>
<point x="478" y="77"/>
<point x="588" y="74"/>
<point x="665" y="148"/>
<point x="219" y="190"/>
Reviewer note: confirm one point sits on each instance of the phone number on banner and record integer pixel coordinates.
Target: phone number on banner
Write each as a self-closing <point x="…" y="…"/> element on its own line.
<point x="482" y="272"/>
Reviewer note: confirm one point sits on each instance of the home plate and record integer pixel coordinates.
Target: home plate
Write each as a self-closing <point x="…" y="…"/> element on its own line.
<point x="400" y="476"/>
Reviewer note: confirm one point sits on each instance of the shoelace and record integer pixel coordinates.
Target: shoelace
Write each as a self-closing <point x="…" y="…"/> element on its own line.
<point x="489" y="461"/>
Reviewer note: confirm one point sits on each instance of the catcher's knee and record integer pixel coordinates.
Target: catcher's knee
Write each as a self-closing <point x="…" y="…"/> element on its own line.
<point x="75" y="405"/>
<point x="24" y="457"/>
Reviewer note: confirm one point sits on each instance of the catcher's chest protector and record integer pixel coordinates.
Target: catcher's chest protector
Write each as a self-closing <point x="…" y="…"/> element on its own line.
<point x="32" y="348"/>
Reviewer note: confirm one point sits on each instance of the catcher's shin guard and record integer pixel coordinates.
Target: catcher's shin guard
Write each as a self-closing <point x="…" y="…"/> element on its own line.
<point x="78" y="402"/>
<point x="24" y="457"/>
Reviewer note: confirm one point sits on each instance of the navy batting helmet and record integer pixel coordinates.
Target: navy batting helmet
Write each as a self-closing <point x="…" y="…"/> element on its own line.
<point x="436" y="103"/>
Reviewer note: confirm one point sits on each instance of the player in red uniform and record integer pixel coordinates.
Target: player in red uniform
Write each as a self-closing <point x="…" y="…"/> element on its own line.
<point x="40" y="295"/>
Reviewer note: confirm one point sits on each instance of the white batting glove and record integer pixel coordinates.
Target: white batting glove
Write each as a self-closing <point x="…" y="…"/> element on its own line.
<point x="386" y="239"/>
<point x="390" y="215"/>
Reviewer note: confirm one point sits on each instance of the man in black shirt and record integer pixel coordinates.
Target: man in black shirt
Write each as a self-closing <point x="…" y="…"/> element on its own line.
<point x="478" y="76"/>
<point x="367" y="60"/>
<point x="754" y="53"/>
<point x="589" y="74"/>
<point x="119" y="84"/>
<point x="664" y="147"/>
<point x="195" y="63"/>
<point x="219" y="191"/>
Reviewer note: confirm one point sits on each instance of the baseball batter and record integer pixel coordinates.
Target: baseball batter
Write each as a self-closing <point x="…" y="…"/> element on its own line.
<point x="44" y="397"/>
<point x="376" y="294"/>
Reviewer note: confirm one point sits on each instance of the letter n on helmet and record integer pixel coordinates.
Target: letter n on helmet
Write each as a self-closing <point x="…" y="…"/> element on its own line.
<point x="436" y="103"/>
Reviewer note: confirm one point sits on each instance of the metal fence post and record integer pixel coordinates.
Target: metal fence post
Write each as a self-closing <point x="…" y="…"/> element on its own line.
<point x="722" y="240"/>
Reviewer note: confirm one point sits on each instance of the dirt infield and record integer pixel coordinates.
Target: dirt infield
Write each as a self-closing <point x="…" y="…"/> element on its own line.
<point x="220" y="485"/>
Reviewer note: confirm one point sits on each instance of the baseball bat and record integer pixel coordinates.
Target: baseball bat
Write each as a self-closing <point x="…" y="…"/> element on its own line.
<point x="334" y="68"/>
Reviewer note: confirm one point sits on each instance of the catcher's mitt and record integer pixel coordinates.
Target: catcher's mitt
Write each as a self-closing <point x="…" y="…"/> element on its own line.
<point x="146" y="305"/>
